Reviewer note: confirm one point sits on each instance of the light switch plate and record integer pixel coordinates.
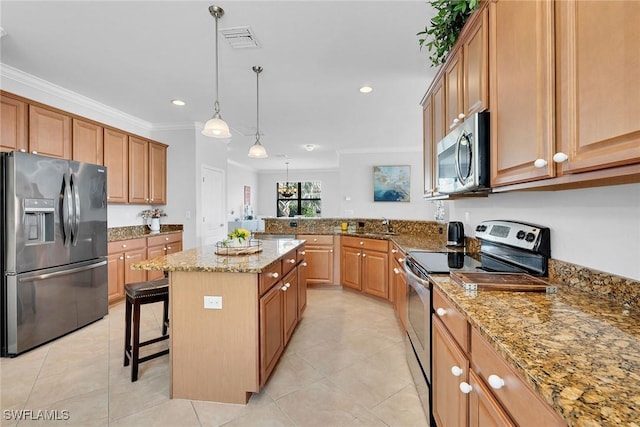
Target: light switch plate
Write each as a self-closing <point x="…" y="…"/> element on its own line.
<point x="213" y="302"/>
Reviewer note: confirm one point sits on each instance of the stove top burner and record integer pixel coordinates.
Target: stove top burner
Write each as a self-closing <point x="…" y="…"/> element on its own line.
<point x="443" y="262"/>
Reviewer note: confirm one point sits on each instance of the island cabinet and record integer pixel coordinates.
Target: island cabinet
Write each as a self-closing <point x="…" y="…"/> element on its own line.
<point x="365" y="265"/>
<point x="398" y="283"/>
<point x="14" y="124"/>
<point x="472" y="384"/>
<point x="320" y="258"/>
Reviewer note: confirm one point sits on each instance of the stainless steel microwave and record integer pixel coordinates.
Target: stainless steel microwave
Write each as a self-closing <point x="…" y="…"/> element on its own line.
<point x="462" y="162"/>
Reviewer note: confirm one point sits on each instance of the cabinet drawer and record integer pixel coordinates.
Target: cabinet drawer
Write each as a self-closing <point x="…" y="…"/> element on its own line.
<point x="397" y="254"/>
<point x="126" y="245"/>
<point x="165" y="238"/>
<point x="371" y="244"/>
<point x="522" y="403"/>
<point x="455" y="322"/>
<point x="289" y="261"/>
<point x="270" y="276"/>
<point x="301" y="253"/>
<point x="316" y="239"/>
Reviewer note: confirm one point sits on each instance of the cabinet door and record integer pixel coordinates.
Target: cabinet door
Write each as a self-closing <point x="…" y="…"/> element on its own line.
<point x="375" y="273"/>
<point x="115" y="268"/>
<point x="157" y="173"/>
<point x="439" y="130"/>
<point x="290" y="304"/>
<point x="449" y="403"/>
<point x="130" y="258"/>
<point x="484" y="409"/>
<point x="428" y="146"/>
<point x="598" y="78"/>
<point x="174" y="247"/>
<point x="400" y="288"/>
<point x="138" y="170"/>
<point x="453" y="92"/>
<point x="49" y="132"/>
<point x="13" y="126"/>
<point x="521" y="91"/>
<point x="350" y="268"/>
<point x="475" y="63"/>
<point x="155" y="252"/>
<point x="271" y="330"/>
<point x="320" y="264"/>
<point x="116" y="159"/>
<point x="302" y="287"/>
<point x="87" y="142"/>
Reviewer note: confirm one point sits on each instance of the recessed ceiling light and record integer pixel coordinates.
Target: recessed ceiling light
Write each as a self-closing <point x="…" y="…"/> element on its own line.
<point x="309" y="147"/>
<point x="178" y="102"/>
<point x="366" y="89"/>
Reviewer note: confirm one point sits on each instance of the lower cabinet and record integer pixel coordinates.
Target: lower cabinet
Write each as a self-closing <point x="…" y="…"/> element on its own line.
<point x="162" y="245"/>
<point x="319" y="256"/>
<point x="364" y="265"/>
<point x="398" y="284"/>
<point x="302" y="282"/>
<point x="489" y="394"/>
<point x="271" y="331"/>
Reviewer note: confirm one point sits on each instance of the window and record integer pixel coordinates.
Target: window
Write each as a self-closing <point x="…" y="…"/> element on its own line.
<point x="298" y="198"/>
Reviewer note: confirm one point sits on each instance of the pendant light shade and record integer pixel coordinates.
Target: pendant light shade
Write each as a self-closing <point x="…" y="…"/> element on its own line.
<point x="216" y="127"/>
<point x="257" y="150"/>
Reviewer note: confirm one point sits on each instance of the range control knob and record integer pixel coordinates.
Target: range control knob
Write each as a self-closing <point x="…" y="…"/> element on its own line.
<point x="520" y="235"/>
<point x="530" y="237"/>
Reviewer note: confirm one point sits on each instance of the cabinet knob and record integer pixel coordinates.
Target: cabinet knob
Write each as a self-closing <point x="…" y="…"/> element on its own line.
<point x="560" y="157"/>
<point x="465" y="387"/>
<point x="284" y="288"/>
<point x="274" y="275"/>
<point x="331" y="251"/>
<point x="287" y="285"/>
<point x="394" y="251"/>
<point x="441" y="311"/>
<point x="121" y="257"/>
<point x="303" y="253"/>
<point x="358" y="254"/>
<point x="128" y="256"/>
<point x="34" y="152"/>
<point x="461" y="116"/>
<point x="291" y="260"/>
<point x="164" y="249"/>
<point x="151" y="200"/>
<point x="400" y="260"/>
<point x="496" y="382"/>
<point x="456" y="371"/>
<point x="166" y="238"/>
<point x="364" y="255"/>
<point x="168" y="247"/>
<point x="396" y="270"/>
<point x="315" y="240"/>
<point x="304" y="263"/>
<point x="540" y="163"/>
<point x="124" y="246"/>
<point x="22" y="150"/>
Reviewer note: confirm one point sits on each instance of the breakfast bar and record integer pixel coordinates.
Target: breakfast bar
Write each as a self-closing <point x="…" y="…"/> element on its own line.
<point x="230" y="317"/>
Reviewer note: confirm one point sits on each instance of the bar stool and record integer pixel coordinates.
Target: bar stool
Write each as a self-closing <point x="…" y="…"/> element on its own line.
<point x="140" y="293"/>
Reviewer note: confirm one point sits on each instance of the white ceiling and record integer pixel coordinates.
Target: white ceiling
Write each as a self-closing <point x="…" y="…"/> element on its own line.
<point x="137" y="56"/>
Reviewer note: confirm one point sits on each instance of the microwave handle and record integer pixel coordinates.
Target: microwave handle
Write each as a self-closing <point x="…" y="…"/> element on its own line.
<point x="463" y="135"/>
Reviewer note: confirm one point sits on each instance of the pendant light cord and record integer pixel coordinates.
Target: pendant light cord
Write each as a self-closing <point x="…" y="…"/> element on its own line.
<point x="216" y="105"/>
<point x="257" y="70"/>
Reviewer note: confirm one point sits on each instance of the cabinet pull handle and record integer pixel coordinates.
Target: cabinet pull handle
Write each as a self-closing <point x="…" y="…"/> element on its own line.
<point x="540" y="163"/>
<point x="394" y="251"/>
<point x="560" y="157"/>
<point x="456" y="371"/>
<point x="441" y="311"/>
<point x="304" y="264"/>
<point x="287" y="285"/>
<point x="465" y="387"/>
<point x="284" y="288"/>
<point x="396" y="270"/>
<point x="274" y="275"/>
<point x="291" y="261"/>
<point x="496" y="382"/>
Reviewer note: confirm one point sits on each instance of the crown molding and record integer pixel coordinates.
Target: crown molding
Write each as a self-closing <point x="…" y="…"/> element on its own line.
<point x="380" y="150"/>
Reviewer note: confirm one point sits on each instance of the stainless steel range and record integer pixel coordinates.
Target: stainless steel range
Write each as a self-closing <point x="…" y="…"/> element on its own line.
<point x="506" y="246"/>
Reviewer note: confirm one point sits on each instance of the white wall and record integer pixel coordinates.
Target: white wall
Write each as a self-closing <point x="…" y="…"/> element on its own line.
<point x="237" y="177"/>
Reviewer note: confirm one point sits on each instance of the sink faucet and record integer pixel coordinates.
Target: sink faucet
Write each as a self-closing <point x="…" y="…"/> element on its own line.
<point x="387" y="222"/>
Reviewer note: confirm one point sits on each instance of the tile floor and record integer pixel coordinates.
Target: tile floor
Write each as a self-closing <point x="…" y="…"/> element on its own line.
<point x="344" y="366"/>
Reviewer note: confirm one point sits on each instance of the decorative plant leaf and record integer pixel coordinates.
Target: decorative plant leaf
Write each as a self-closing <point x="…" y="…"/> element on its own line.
<point x="445" y="27"/>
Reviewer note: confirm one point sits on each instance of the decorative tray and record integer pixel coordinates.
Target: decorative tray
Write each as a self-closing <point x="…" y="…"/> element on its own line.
<point x="501" y="282"/>
<point x="233" y="248"/>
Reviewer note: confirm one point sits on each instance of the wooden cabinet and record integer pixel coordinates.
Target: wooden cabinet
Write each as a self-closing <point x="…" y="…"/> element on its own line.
<point x="14" y="124"/>
<point x="271" y="331"/>
<point x="303" y="268"/>
<point x="472" y="383"/>
<point x="157" y="173"/>
<point x="138" y="170"/>
<point x="521" y="91"/>
<point x="398" y="284"/>
<point x="428" y="146"/>
<point x="290" y="303"/>
<point x="453" y="92"/>
<point x="116" y="159"/>
<point x="475" y="61"/>
<point x="88" y="142"/>
<point x="319" y="255"/>
<point x="121" y="256"/>
<point x="162" y="245"/>
<point x="598" y="84"/>
<point x="49" y="132"/>
<point x="365" y="265"/>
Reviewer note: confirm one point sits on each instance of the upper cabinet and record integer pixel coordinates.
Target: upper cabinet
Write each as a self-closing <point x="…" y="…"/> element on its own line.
<point x="475" y="60"/>
<point x="49" y="132"/>
<point x="157" y="173"/>
<point x="147" y="172"/>
<point x="87" y="141"/>
<point x="14" y="124"/>
<point x="116" y="159"/>
<point x="522" y="91"/>
<point x="598" y="84"/>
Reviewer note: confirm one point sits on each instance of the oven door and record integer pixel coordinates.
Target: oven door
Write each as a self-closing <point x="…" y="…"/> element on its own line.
<point x="418" y="342"/>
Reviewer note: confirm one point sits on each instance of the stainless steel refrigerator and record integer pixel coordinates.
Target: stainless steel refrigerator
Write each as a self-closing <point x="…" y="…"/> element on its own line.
<point x="54" y="248"/>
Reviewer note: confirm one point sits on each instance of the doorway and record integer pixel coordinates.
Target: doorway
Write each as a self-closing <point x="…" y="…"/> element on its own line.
<point x="213" y="199"/>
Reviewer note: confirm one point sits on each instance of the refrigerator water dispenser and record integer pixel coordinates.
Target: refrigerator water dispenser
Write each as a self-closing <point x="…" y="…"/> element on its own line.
<point x="39" y="220"/>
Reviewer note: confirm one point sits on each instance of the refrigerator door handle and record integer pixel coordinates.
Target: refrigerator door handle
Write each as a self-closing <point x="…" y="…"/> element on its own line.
<point x="76" y="210"/>
<point x="67" y="210"/>
<point x="63" y="272"/>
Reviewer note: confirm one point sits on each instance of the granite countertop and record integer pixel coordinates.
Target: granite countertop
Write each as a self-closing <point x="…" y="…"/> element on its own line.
<point x="581" y="353"/>
<point x="205" y="259"/>
<point x="138" y="231"/>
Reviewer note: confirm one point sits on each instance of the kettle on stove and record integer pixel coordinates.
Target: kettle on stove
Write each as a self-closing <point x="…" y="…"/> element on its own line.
<point x="455" y="233"/>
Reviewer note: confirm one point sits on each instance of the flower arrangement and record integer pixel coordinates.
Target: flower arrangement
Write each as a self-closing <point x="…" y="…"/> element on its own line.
<point x="240" y="233"/>
<point x="152" y="213"/>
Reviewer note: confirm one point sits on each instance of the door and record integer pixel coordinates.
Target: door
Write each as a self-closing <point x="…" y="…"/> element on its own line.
<point x="213" y="205"/>
<point x="89" y="192"/>
<point x="13" y="128"/>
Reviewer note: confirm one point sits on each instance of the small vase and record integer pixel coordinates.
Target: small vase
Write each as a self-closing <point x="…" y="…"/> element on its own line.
<point x="154" y="224"/>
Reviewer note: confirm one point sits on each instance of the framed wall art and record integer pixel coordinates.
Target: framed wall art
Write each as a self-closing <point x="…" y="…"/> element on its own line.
<point x="392" y="183"/>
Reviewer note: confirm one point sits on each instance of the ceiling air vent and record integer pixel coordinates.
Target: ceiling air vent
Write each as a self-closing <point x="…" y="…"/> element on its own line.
<point x="240" y="37"/>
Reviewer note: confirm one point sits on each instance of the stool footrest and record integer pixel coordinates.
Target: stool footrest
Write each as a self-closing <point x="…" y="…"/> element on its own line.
<point x="155" y="340"/>
<point x="153" y="356"/>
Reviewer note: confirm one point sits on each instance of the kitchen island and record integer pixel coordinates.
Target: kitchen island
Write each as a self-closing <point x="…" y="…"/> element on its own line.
<point x="230" y="317"/>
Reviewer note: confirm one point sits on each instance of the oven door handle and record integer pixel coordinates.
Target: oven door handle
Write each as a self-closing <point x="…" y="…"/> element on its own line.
<point x="421" y="286"/>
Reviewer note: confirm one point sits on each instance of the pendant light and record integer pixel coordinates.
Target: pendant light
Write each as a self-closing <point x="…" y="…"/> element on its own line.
<point x="257" y="150"/>
<point x="289" y="188"/>
<point x="215" y="126"/>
